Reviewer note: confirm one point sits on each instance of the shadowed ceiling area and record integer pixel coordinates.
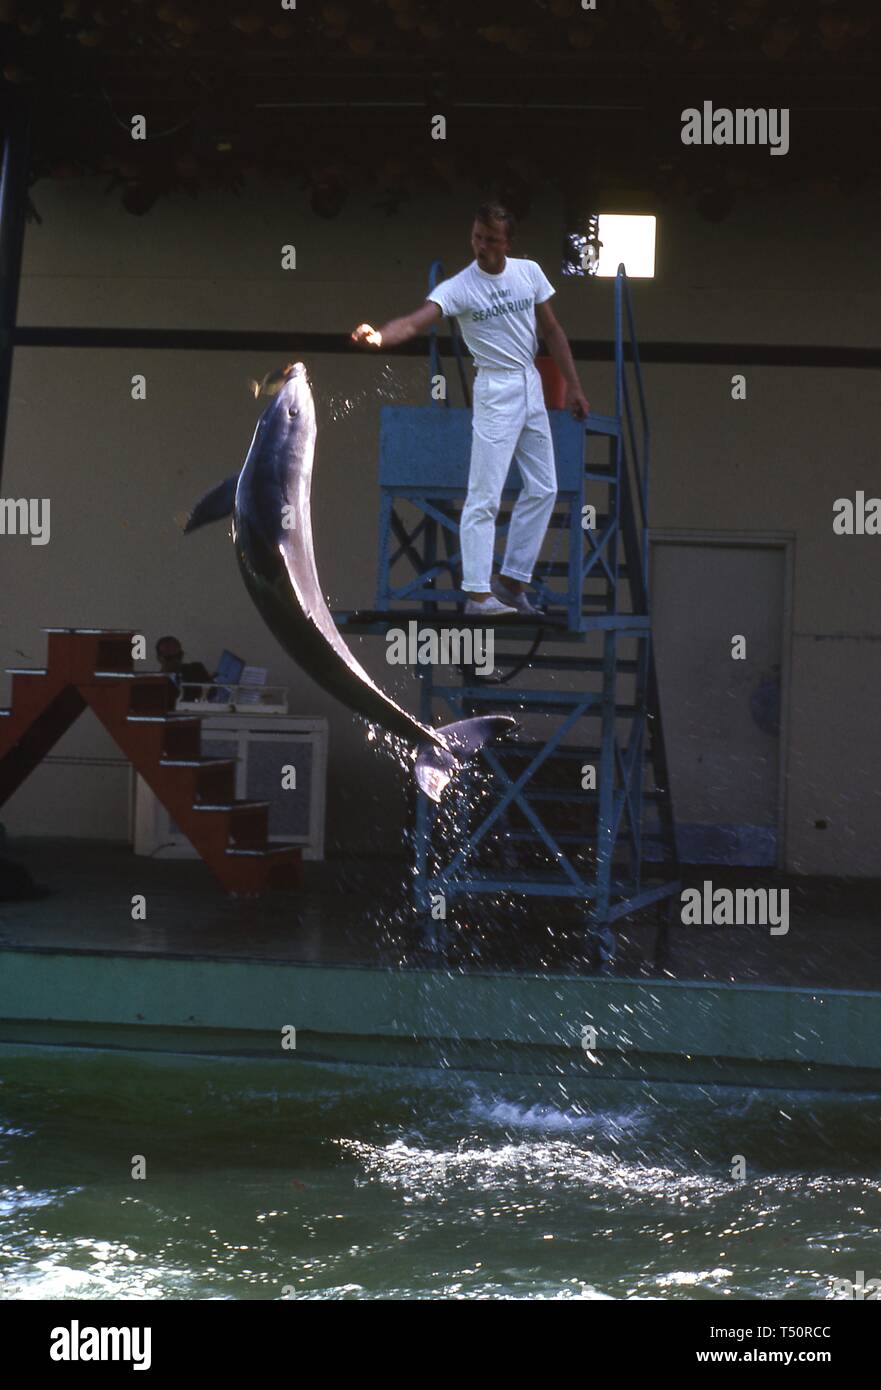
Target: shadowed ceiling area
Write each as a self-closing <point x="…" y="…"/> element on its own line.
<point x="341" y="96"/>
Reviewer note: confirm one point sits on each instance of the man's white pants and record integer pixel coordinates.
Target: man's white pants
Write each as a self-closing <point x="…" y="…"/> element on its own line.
<point x="509" y="421"/>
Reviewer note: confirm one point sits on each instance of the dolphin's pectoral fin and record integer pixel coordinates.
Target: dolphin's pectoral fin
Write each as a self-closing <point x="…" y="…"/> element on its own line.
<point x="435" y="766"/>
<point x="214" y="506"/>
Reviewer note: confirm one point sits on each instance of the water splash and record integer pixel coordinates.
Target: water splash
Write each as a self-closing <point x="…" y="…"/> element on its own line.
<point x="340" y="405"/>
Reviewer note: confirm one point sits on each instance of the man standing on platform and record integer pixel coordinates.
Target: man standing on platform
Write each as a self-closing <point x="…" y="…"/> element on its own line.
<point x="498" y="300"/>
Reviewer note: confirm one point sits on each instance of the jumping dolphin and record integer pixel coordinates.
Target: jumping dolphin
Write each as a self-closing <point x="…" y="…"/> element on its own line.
<point x="272" y="533"/>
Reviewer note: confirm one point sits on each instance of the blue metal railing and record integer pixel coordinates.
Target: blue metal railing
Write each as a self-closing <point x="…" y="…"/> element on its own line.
<point x="639" y="451"/>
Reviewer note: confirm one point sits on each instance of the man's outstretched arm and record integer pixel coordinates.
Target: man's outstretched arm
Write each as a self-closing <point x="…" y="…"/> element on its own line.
<point x="398" y="330"/>
<point x="558" y="346"/>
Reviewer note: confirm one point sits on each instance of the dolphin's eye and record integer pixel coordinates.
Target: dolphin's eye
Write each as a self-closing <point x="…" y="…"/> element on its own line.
<point x="293" y="411"/>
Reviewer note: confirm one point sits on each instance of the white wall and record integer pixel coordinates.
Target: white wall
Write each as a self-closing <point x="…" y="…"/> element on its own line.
<point x="117" y="471"/>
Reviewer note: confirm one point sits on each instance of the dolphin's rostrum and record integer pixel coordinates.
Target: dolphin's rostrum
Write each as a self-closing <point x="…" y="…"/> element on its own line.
<point x="272" y="531"/>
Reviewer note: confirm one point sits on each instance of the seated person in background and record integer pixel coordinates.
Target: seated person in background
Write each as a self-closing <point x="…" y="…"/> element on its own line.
<point x="170" y="654"/>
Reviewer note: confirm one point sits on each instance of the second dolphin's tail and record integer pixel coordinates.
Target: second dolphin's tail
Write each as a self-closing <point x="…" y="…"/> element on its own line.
<point x="435" y="765"/>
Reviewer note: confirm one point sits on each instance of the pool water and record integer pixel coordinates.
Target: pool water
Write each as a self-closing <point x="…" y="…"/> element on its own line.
<point x="336" y="1182"/>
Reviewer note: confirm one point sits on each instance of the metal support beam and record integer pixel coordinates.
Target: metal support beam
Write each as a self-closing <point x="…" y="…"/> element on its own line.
<point x="14" y="172"/>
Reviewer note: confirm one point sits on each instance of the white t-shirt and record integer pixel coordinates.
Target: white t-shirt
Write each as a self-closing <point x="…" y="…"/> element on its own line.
<point x="496" y="312"/>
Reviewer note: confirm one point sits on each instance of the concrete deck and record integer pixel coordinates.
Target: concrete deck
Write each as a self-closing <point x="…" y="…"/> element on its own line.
<point x="356" y="912"/>
<point x="205" y="975"/>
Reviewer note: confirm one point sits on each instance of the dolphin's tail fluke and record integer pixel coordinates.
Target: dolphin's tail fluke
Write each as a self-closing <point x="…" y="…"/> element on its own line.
<point x="435" y="765"/>
<point x="214" y="506"/>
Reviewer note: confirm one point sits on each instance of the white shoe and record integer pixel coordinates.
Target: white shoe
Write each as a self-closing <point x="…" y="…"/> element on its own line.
<point x="522" y="604"/>
<point x="487" y="608"/>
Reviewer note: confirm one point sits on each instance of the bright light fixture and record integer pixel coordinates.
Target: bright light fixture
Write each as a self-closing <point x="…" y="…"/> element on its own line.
<point x="629" y="239"/>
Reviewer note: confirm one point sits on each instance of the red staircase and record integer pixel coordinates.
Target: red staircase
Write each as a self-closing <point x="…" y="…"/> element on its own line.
<point x="94" y="668"/>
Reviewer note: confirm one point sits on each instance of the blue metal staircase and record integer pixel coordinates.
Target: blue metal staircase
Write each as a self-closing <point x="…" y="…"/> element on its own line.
<point x="534" y="820"/>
